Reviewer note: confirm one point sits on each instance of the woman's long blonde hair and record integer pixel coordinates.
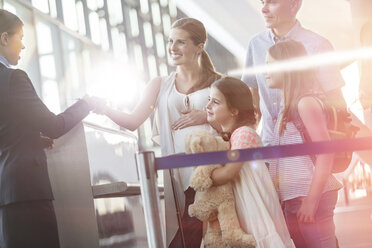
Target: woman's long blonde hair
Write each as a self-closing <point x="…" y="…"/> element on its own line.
<point x="198" y="35"/>
<point x="296" y="82"/>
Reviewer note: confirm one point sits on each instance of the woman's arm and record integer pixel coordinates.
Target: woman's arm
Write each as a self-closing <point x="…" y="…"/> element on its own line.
<point x="141" y="112"/>
<point x="313" y="117"/>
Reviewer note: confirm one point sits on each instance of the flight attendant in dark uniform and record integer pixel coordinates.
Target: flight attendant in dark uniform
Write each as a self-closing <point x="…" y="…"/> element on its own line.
<point x="27" y="217"/>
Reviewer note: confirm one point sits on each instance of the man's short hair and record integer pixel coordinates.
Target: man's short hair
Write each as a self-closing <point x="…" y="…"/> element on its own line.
<point x="9" y="22"/>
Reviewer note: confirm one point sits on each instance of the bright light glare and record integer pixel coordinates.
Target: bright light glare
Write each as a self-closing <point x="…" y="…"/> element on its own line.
<point x="301" y="63"/>
<point x="351" y="89"/>
<point x="118" y="83"/>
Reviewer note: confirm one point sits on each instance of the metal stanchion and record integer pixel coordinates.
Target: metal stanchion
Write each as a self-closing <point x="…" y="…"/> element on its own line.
<point x="151" y="200"/>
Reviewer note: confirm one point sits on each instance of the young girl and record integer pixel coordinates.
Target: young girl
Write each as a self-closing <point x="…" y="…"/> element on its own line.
<point x="308" y="191"/>
<point x="230" y="105"/>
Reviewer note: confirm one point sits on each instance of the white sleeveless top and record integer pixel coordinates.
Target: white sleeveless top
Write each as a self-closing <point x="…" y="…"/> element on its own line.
<point x="178" y="103"/>
<point x="169" y="105"/>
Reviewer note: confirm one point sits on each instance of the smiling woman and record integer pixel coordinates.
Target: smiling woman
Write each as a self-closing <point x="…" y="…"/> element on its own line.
<point x="178" y="100"/>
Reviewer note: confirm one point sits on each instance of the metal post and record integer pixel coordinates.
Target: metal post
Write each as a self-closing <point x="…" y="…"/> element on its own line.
<point x="151" y="200"/>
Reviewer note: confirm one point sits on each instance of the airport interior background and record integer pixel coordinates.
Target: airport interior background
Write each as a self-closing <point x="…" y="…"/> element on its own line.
<point x="111" y="48"/>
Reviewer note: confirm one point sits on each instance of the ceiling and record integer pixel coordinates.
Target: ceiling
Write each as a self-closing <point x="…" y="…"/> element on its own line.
<point x="234" y="22"/>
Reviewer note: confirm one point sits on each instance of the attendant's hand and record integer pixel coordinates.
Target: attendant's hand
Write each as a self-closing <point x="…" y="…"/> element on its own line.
<point x="306" y="213"/>
<point x="97" y="104"/>
<point x="100" y="105"/>
<point x="46" y="142"/>
<point x="190" y="118"/>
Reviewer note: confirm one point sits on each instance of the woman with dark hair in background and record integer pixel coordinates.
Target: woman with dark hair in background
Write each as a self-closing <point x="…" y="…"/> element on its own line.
<point x="307" y="189"/>
<point x="179" y="100"/>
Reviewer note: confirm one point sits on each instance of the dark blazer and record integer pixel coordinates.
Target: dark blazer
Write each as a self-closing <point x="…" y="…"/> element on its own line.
<point x="23" y="167"/>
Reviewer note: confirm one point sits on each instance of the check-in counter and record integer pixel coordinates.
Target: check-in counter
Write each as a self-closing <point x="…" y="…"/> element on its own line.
<point x="96" y="189"/>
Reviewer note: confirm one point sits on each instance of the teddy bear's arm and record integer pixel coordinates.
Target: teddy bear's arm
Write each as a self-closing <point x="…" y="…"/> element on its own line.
<point x="201" y="178"/>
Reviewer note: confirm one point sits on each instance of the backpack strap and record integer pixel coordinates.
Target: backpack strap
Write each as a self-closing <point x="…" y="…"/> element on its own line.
<point x="299" y="124"/>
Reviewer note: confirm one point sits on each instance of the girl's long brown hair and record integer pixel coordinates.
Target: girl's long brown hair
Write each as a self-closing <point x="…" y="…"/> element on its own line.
<point x="238" y="96"/>
<point x="296" y="82"/>
<point x="198" y="35"/>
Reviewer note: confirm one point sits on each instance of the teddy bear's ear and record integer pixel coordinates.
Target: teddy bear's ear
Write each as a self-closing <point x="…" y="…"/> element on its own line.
<point x="221" y="144"/>
<point x="196" y="145"/>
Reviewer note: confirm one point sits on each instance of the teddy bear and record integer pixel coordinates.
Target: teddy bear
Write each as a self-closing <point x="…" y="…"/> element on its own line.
<point x="214" y="204"/>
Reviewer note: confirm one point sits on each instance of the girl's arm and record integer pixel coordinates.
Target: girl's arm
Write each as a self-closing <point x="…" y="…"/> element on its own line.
<point x="141" y="112"/>
<point x="225" y="174"/>
<point x="242" y="138"/>
<point x="313" y="117"/>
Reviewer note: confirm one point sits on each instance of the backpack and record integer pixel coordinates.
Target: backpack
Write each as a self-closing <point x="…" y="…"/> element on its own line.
<point x="339" y="127"/>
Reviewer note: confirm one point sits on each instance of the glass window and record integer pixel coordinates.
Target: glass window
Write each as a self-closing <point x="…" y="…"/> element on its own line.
<point x="94" y="27"/>
<point x="50" y="93"/>
<point x="44" y="38"/>
<point x="10" y="8"/>
<point x="164" y="3"/>
<point x="138" y="57"/>
<point x="80" y="17"/>
<point x="73" y="76"/>
<point x="53" y="8"/>
<point x="144" y="6"/>
<point x="152" y="66"/>
<point x="156" y="15"/>
<point x="42" y="5"/>
<point x="148" y="34"/>
<point x="119" y="44"/>
<point x="48" y="67"/>
<point x="100" y="3"/>
<point x="160" y="44"/>
<point x="115" y="12"/>
<point x="172" y="9"/>
<point x="163" y="69"/>
<point x="69" y="14"/>
<point x="133" y="22"/>
<point x="87" y="67"/>
<point x="73" y="68"/>
<point x="49" y="87"/>
<point x="92" y="4"/>
<point x="104" y="35"/>
<point x="166" y="24"/>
